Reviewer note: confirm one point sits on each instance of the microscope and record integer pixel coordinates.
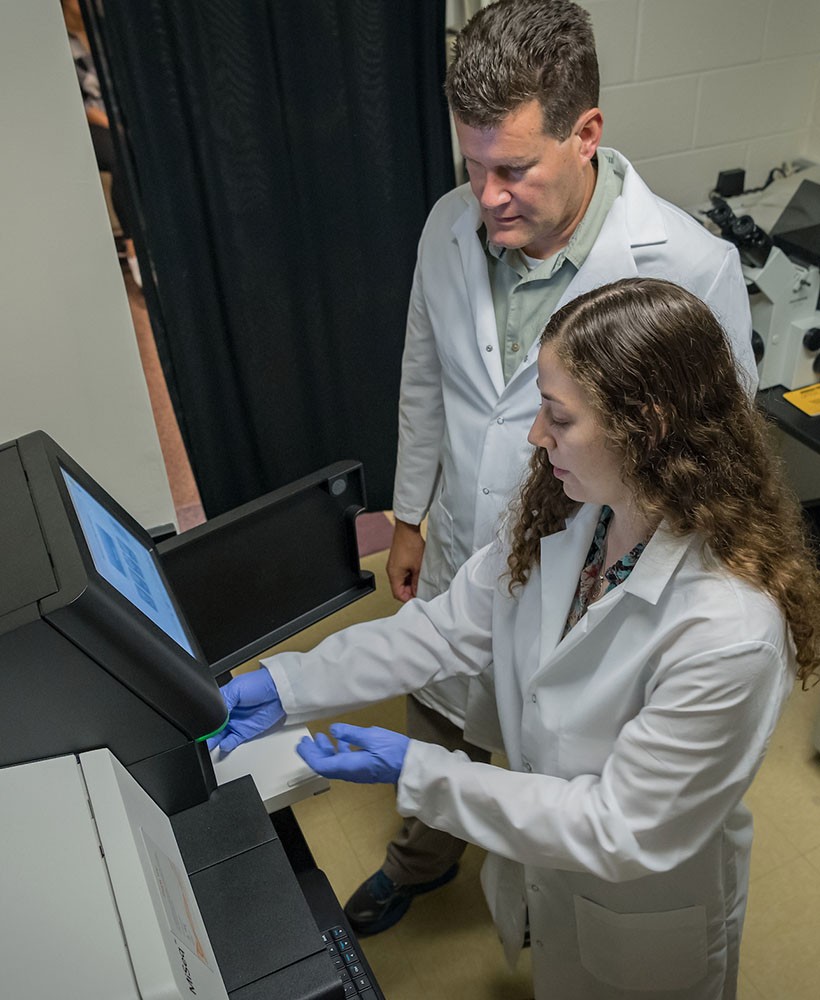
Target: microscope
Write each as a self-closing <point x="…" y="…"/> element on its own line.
<point x="782" y="272"/>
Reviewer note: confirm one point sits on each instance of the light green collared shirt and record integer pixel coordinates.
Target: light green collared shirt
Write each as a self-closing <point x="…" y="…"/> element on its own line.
<point x="525" y="290"/>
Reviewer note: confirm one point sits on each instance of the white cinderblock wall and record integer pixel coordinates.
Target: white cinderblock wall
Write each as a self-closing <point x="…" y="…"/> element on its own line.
<point x="690" y="87"/>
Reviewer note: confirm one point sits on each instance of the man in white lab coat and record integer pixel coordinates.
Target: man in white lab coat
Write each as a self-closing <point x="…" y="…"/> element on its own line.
<point x="643" y="616"/>
<point x="547" y="215"/>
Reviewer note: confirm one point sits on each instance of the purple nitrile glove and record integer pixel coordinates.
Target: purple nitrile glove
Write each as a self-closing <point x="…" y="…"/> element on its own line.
<point x="254" y="707"/>
<point x="380" y="758"/>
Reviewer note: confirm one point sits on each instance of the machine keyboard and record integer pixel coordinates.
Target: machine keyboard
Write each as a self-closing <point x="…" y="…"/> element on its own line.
<point x="351" y="970"/>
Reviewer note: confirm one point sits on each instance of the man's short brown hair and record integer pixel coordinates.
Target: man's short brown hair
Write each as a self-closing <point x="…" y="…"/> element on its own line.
<point x="516" y="51"/>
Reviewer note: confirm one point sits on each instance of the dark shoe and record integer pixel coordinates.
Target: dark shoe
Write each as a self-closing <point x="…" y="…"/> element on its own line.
<point x="379" y="902"/>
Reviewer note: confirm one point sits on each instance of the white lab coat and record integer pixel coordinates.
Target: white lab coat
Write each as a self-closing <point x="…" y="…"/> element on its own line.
<point x="631" y="741"/>
<point x="462" y="432"/>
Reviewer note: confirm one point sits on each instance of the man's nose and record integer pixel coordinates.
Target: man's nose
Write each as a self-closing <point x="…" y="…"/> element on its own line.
<point x="494" y="192"/>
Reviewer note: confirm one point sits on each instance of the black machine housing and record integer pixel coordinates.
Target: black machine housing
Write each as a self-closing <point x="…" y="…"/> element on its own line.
<point x="82" y="666"/>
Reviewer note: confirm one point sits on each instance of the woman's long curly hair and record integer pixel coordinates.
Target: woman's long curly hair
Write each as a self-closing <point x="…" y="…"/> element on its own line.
<point x="658" y="370"/>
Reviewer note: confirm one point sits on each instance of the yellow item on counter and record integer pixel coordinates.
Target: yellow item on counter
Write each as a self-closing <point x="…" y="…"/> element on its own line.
<point x="806" y="399"/>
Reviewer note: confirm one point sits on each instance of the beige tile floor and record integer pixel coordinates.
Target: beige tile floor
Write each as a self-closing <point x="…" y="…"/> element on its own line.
<point x="446" y="948"/>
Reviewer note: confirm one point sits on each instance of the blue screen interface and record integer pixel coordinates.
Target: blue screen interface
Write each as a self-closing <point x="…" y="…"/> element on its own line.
<point x="125" y="562"/>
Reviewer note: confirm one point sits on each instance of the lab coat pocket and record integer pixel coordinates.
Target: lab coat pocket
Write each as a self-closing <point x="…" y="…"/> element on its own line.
<point x="643" y="952"/>
<point x="437" y="569"/>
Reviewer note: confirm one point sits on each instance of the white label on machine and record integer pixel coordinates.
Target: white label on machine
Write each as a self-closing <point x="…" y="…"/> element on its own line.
<point x="182" y="914"/>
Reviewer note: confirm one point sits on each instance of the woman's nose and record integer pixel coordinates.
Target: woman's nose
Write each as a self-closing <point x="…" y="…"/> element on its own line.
<point x="539" y="434"/>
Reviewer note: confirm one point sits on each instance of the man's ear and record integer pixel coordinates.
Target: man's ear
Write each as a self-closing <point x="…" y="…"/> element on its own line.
<point x="588" y="129"/>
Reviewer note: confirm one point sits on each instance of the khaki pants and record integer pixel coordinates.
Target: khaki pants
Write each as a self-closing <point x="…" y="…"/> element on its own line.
<point x="418" y="853"/>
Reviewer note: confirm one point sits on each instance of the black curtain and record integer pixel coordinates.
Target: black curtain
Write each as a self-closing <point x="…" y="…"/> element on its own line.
<point x="283" y="155"/>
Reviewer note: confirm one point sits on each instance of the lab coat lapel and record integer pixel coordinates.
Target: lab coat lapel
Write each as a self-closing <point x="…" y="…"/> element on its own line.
<point x="633" y="221"/>
<point x="657" y="563"/>
<point x="562" y="556"/>
<point x="647" y="581"/>
<point x="477" y="282"/>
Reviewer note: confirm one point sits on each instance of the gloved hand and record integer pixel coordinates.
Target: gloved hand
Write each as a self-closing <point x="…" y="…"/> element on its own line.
<point x="380" y="759"/>
<point x="254" y="707"/>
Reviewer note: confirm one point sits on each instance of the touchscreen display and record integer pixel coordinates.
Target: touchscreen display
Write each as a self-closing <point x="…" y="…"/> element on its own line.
<point x="125" y="562"/>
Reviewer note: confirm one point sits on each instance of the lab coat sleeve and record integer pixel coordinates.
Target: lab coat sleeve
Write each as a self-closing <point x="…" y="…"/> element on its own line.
<point x="421" y="643"/>
<point x="728" y="299"/>
<point x="674" y="774"/>
<point x="421" y="411"/>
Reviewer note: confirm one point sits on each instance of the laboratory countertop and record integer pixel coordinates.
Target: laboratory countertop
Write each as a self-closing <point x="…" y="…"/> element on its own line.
<point x="788" y="418"/>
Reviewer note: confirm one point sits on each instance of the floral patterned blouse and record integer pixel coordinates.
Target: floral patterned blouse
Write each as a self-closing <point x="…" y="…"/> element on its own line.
<point x="591" y="573"/>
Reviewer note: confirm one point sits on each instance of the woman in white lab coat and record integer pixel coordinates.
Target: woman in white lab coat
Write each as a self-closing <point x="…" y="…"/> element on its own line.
<point x="645" y="614"/>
